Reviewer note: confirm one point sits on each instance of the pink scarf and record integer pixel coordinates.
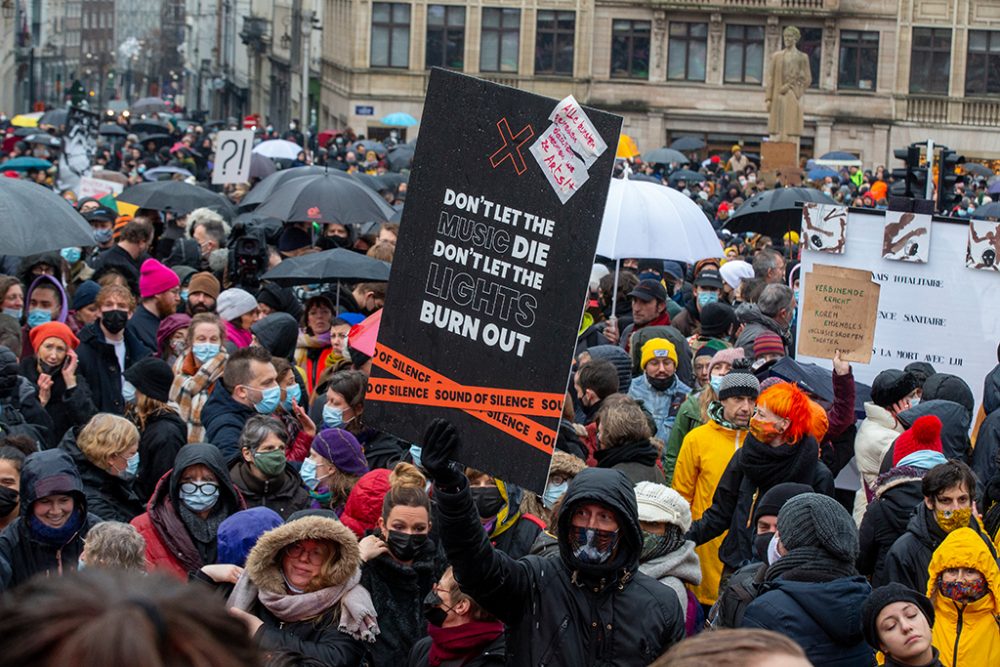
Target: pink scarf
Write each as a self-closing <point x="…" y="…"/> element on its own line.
<point x="240" y="337"/>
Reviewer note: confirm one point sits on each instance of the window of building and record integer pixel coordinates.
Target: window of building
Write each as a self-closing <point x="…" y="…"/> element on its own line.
<point x="858" y="60"/>
<point x="630" y="49"/>
<point x="686" y="49"/>
<point x="555" y="33"/>
<point x="390" y="34"/>
<point x="982" y="69"/>
<point x="744" y="54"/>
<point x="811" y="44"/>
<point x="930" y="60"/>
<point x="446" y="36"/>
<point x="500" y="40"/>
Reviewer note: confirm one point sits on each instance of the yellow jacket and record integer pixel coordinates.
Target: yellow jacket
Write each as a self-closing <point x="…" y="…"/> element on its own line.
<point x="703" y="458"/>
<point x="966" y="635"/>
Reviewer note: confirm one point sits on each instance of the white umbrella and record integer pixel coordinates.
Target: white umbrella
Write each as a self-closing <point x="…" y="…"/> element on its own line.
<point x="278" y="149"/>
<point x="653" y="221"/>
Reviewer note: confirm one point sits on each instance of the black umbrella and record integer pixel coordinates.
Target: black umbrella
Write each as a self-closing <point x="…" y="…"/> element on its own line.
<point x="158" y="139"/>
<point x="688" y="144"/>
<point x="686" y="175"/>
<point x="664" y="156"/>
<point x="774" y="212"/>
<point x="35" y="219"/>
<point x="261" y="167"/>
<point x="818" y="381"/>
<point x="368" y="145"/>
<point x="401" y="157"/>
<point x="263" y="190"/>
<point x="150" y="126"/>
<point x="149" y="105"/>
<point x="370" y="181"/>
<point x="648" y="178"/>
<point x="25" y="131"/>
<point x="990" y="211"/>
<point x="325" y="198"/>
<point x="977" y="169"/>
<point x="44" y="139"/>
<point x="397" y="217"/>
<point x="327" y="267"/>
<point x="112" y="130"/>
<point x="54" y="117"/>
<point x="177" y="197"/>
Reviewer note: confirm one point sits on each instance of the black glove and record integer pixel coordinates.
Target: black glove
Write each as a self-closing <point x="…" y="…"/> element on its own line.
<point x="441" y="442"/>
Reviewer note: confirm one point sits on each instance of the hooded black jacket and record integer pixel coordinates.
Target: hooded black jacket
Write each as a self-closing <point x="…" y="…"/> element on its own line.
<point x="557" y="610"/>
<point x="955" y="423"/>
<point x="907" y="560"/>
<point x="109" y="497"/>
<point x="986" y="455"/>
<point x="896" y="499"/>
<point x="22" y="554"/>
<point x="277" y="333"/>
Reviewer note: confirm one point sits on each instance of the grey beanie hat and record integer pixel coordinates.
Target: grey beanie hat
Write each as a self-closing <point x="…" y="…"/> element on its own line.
<point x="815" y="520"/>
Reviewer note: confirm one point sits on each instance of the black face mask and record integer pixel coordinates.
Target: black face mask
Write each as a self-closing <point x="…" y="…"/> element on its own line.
<point x="760" y="544"/>
<point x="488" y="501"/>
<point x="434" y="614"/>
<point x="405" y="546"/>
<point x="51" y="371"/>
<point x="8" y="500"/>
<point x="660" y="384"/>
<point x="114" y="320"/>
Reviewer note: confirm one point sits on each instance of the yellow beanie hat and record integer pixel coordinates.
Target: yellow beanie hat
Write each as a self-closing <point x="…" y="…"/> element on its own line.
<point x="657" y="347"/>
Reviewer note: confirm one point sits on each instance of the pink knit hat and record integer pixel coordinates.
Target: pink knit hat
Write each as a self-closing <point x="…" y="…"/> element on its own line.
<point x="726" y="357"/>
<point x="155" y="278"/>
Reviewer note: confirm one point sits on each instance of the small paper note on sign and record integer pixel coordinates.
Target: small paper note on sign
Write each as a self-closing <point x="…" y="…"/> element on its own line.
<point x="839" y="310"/>
<point x="568" y="148"/>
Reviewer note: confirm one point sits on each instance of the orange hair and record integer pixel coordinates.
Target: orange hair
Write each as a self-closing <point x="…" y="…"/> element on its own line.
<point x="786" y="400"/>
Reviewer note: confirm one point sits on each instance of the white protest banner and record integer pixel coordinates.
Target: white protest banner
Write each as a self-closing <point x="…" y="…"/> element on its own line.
<point x="940" y="312"/>
<point x="232" y="157"/>
<point x="97" y="187"/>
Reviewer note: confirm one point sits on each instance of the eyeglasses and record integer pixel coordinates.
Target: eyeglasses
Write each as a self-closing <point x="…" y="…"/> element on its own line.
<point x="315" y="556"/>
<point x="208" y="488"/>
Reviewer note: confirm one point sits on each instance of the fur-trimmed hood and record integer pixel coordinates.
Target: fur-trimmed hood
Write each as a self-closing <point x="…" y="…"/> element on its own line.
<point x="566" y="464"/>
<point x="263" y="564"/>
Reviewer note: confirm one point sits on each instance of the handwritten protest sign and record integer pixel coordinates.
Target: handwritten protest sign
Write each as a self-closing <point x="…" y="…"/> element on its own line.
<point x="839" y="309"/>
<point x="490" y="273"/>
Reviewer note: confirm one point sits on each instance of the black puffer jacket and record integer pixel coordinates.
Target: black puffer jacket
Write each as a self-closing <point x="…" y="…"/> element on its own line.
<point x="557" y="610"/>
<point x="907" y="560"/>
<point x="162" y="438"/>
<point x="108" y="496"/>
<point x="896" y="498"/>
<point x="68" y="408"/>
<point x="23" y="554"/>
<point x="398" y="592"/>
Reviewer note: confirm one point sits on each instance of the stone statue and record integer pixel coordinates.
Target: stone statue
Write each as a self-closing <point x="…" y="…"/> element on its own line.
<point x="788" y="77"/>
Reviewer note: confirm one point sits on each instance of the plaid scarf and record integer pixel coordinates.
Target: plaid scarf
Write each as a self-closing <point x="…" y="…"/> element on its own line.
<point x="192" y="386"/>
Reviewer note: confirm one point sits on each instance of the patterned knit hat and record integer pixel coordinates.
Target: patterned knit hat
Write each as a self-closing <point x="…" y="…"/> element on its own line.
<point x="739" y="382"/>
<point x="768" y="343"/>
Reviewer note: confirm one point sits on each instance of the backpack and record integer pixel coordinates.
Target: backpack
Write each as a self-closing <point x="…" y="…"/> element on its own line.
<point x="735" y="596"/>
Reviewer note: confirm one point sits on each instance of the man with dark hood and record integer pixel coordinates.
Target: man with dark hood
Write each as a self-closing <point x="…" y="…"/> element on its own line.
<point x="20" y="411"/>
<point x="589" y="606"/>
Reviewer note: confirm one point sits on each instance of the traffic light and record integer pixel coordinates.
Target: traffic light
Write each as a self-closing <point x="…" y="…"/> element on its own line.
<point x="947" y="178"/>
<point x="911" y="181"/>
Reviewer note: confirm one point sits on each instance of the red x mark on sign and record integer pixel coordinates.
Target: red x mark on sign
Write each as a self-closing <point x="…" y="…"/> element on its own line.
<point x="512" y="144"/>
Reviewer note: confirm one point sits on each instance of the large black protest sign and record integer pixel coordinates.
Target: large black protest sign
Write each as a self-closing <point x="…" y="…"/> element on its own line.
<point x="490" y="275"/>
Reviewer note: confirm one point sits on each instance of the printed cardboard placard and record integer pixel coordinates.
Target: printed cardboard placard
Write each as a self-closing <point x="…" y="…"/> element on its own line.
<point x="839" y="309"/>
<point x="984" y="244"/>
<point x="907" y="237"/>
<point x="824" y="227"/>
<point x="491" y="272"/>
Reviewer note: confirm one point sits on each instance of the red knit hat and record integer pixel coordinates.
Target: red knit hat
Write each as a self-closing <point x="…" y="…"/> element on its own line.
<point x="43" y="332"/>
<point x="924" y="434"/>
<point x="768" y="343"/>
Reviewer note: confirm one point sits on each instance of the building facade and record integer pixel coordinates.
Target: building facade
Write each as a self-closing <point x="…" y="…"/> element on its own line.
<point x="885" y="72"/>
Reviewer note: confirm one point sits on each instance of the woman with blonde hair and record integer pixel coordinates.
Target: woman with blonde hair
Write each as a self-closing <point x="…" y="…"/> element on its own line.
<point x="163" y="431"/>
<point x="197" y="371"/>
<point x="300" y="592"/>
<point x="106" y="452"/>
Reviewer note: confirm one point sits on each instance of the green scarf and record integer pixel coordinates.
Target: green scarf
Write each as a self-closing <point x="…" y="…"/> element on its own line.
<point x="715" y="412"/>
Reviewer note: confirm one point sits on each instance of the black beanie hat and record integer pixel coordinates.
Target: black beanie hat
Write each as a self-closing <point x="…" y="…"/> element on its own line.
<point x="717" y="319"/>
<point x="884" y="596"/>
<point x="151" y="376"/>
<point x="776" y="497"/>
<point x="891" y="386"/>
<point x="921" y="370"/>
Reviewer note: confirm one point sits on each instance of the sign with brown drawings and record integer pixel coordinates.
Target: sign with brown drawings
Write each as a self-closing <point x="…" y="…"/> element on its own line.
<point x="824" y="227"/>
<point x="907" y="237"/>
<point x="984" y="243"/>
<point x="839" y="310"/>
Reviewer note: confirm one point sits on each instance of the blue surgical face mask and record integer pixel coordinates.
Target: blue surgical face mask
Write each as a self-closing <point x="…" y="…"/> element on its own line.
<point x="415" y="451"/>
<point x="199" y="501"/>
<point x="552" y="493"/>
<point x="716" y="382"/>
<point x="71" y="255"/>
<point x="705" y="298"/>
<point x="184" y="295"/>
<point x="204" y="351"/>
<point x="128" y="391"/>
<point x="132" y="465"/>
<point x="13" y="312"/>
<point x="795" y="293"/>
<point x="269" y="400"/>
<point x="102" y="236"/>
<point x="38" y="317"/>
<point x="333" y="417"/>
<point x="292" y="393"/>
<point x="308" y="474"/>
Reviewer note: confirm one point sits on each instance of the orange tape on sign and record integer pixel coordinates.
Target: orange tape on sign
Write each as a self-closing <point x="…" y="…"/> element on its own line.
<point x="409" y="386"/>
<point x="446" y="396"/>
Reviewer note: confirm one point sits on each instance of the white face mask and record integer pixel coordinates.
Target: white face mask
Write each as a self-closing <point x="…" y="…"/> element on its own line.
<point x="773" y="556"/>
